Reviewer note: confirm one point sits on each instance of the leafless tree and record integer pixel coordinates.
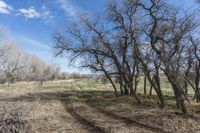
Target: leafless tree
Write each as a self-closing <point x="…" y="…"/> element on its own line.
<point x="134" y="37"/>
<point x="17" y="65"/>
<point x="196" y="66"/>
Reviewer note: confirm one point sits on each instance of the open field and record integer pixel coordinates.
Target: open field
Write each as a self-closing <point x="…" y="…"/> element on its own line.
<point x="100" y="66"/>
<point x="89" y="106"/>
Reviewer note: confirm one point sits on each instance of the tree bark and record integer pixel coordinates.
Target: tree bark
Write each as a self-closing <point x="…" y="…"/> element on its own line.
<point x="180" y="98"/>
<point x="145" y="85"/>
<point x="186" y="87"/>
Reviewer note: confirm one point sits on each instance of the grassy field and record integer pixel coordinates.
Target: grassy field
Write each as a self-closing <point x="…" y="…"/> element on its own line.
<point x="89" y="106"/>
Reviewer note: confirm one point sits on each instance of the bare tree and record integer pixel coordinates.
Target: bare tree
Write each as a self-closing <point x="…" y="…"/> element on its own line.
<point x="196" y="68"/>
<point x="10" y="61"/>
<point x="101" y="51"/>
<point x="137" y="36"/>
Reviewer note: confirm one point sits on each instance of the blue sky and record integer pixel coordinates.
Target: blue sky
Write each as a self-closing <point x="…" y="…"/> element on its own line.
<point x="32" y="22"/>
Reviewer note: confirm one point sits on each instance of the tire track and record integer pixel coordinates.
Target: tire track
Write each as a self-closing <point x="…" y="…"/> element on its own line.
<point x="88" y="125"/>
<point x="132" y="122"/>
<point x="103" y="122"/>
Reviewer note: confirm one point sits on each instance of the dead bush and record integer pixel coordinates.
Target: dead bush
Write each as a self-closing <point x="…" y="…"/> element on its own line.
<point x="11" y="121"/>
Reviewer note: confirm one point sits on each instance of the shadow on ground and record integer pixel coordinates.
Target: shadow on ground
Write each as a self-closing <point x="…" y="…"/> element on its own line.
<point x="96" y="99"/>
<point x="63" y="96"/>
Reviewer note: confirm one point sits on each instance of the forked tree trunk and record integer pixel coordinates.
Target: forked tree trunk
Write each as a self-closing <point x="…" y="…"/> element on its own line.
<point x="134" y="94"/>
<point x="107" y="75"/>
<point x="147" y="72"/>
<point x="180" y="99"/>
<point x="157" y="81"/>
<point x="112" y="83"/>
<point x="157" y="90"/>
<point x="114" y="87"/>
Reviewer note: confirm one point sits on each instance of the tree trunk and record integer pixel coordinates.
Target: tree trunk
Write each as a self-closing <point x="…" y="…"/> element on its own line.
<point x="136" y="78"/>
<point x="197" y="80"/>
<point x="112" y="83"/>
<point x="126" y="92"/>
<point x="150" y="91"/>
<point x="121" y="89"/>
<point x="158" y="90"/>
<point x="197" y="96"/>
<point x="114" y="87"/>
<point x="145" y="85"/>
<point x="180" y="99"/>
<point x="135" y="95"/>
<point x="186" y="87"/>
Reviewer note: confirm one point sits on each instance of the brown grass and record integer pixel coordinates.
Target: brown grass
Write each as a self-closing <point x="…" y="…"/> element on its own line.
<point x="73" y="106"/>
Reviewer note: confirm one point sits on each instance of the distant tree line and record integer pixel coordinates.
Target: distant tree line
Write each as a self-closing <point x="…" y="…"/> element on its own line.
<point x="139" y="37"/>
<point x="17" y="65"/>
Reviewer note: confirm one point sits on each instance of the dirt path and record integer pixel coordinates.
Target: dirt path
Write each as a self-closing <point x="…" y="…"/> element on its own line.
<point x="49" y="117"/>
<point x="105" y="122"/>
<point x="131" y="121"/>
<point x="89" y="126"/>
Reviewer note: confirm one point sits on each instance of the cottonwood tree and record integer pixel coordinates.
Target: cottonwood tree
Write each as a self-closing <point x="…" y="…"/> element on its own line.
<point x="136" y="36"/>
<point x="102" y="51"/>
<point x="196" y="68"/>
<point x="126" y="20"/>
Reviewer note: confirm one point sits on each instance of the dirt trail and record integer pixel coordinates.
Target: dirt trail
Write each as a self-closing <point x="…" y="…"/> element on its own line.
<point x="89" y="126"/>
<point x="131" y="121"/>
<point x="104" y="122"/>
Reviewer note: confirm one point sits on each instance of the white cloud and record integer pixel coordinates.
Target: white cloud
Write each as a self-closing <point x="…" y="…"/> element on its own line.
<point x="46" y="14"/>
<point x="29" y="13"/>
<point x="69" y="8"/>
<point x="32" y="13"/>
<point x="4" y="8"/>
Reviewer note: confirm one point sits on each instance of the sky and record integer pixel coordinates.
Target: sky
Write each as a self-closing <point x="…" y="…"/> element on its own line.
<point x="33" y="22"/>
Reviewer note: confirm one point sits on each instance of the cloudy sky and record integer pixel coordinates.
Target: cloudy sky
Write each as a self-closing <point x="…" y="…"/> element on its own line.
<point x="32" y="22"/>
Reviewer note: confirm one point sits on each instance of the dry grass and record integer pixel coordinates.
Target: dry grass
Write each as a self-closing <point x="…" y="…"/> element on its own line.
<point x="43" y="106"/>
<point x="167" y="120"/>
<point x="48" y="109"/>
